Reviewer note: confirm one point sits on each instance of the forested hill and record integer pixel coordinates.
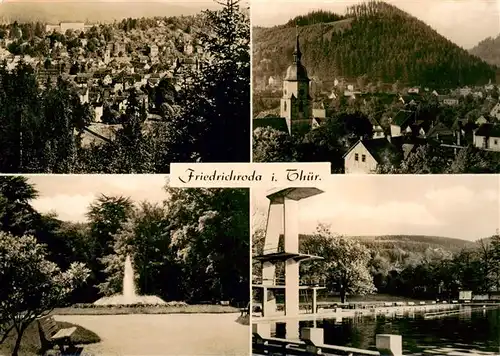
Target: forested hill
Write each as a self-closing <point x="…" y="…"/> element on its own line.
<point x="414" y="244"/>
<point x="488" y="50"/>
<point x="374" y="38"/>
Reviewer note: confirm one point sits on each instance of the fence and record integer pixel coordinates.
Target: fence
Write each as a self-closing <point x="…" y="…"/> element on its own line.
<point x="312" y="343"/>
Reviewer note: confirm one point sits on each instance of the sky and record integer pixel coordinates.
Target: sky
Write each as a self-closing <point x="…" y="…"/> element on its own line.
<point x="70" y="195"/>
<point x="465" y="22"/>
<point x="188" y="3"/>
<point x="458" y="206"/>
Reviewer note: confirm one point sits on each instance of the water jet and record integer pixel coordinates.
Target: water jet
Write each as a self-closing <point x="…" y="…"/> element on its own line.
<point x="129" y="295"/>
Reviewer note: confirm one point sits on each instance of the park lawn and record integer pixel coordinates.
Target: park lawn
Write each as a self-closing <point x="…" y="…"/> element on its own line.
<point x="31" y="345"/>
<point x="116" y="310"/>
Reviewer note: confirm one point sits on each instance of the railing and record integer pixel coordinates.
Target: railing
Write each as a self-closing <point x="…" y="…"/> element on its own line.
<point x="311" y="343"/>
<point x="281" y="281"/>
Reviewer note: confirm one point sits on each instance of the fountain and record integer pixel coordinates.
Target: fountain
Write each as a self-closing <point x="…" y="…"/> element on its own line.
<point x="129" y="295"/>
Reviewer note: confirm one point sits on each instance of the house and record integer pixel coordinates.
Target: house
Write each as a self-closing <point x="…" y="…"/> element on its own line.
<point x="495" y="112"/>
<point x="442" y="134"/>
<point x="414" y="90"/>
<point x="118" y="87"/>
<point x="188" y="49"/>
<point x="107" y="56"/>
<point x="478" y="94"/>
<point x="378" y="131"/>
<point x="447" y="100"/>
<point x="119" y="48"/>
<point x="365" y="156"/>
<point x="319" y="110"/>
<point x="73" y="26"/>
<point x="487" y="137"/>
<point x="317" y="122"/>
<point x="274" y="82"/>
<point x="98" y="111"/>
<point x="481" y="120"/>
<point x="465" y="91"/>
<point x="153" y="51"/>
<point x="401" y="123"/>
<point x="107" y="80"/>
<point x="350" y="94"/>
<point x="412" y="99"/>
<point x="489" y="86"/>
<point x="333" y="95"/>
<point x="84" y="96"/>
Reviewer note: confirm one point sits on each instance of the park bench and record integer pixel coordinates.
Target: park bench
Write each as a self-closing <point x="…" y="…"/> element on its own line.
<point x="52" y="335"/>
<point x="245" y="311"/>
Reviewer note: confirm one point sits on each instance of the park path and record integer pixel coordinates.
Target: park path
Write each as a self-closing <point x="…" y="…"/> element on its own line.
<point x="164" y="334"/>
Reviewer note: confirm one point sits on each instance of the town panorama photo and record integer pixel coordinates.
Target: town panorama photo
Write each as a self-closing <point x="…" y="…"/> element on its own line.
<point x="123" y="87"/>
<point x="378" y="87"/>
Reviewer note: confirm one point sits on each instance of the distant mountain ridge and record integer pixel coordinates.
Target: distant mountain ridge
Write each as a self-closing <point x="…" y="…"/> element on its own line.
<point x="91" y="12"/>
<point x="447" y="243"/>
<point x="419" y="242"/>
<point x="488" y="50"/>
<point x="374" y="39"/>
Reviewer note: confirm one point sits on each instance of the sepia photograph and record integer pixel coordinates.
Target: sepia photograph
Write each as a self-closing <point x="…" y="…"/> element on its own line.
<point x="122" y="265"/>
<point x="124" y="86"/>
<point x="378" y="265"/>
<point x="396" y="86"/>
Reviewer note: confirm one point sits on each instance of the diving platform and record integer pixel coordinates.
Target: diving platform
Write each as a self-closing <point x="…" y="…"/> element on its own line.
<point x="283" y="221"/>
<point x="293" y="194"/>
<point x="282" y="286"/>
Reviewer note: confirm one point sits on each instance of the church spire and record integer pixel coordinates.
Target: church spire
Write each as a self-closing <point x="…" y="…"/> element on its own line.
<point x="297" y="54"/>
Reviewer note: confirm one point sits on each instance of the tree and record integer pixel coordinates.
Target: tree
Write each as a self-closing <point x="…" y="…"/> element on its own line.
<point x="17" y="216"/>
<point x="426" y="159"/>
<point x="210" y="230"/>
<point x="495" y="247"/>
<point x="270" y="145"/>
<point x="106" y="216"/>
<point x="132" y="149"/>
<point x="344" y="266"/>
<point x="215" y="101"/>
<point x="146" y="238"/>
<point x="474" y="160"/>
<point x="30" y="285"/>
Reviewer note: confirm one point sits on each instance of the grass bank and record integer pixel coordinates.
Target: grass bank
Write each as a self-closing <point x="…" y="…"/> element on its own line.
<point x="160" y="309"/>
<point x="31" y="345"/>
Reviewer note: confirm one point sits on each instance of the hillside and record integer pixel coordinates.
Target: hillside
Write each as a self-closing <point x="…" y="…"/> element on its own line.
<point x="376" y="39"/>
<point x="488" y="50"/>
<point x="415" y="243"/>
<point x="407" y="249"/>
<point x="92" y="11"/>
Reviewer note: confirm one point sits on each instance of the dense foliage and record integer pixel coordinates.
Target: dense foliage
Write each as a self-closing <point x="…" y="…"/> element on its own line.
<point x="183" y="249"/>
<point x="31" y="285"/>
<point x="42" y="129"/>
<point x="411" y="266"/>
<point x="377" y="40"/>
<point x="314" y="17"/>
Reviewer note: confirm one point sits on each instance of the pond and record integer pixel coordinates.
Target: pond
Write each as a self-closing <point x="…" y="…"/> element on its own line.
<point x="473" y="329"/>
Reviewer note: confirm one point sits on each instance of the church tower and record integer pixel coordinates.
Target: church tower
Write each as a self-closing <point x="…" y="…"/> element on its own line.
<point x="296" y="104"/>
